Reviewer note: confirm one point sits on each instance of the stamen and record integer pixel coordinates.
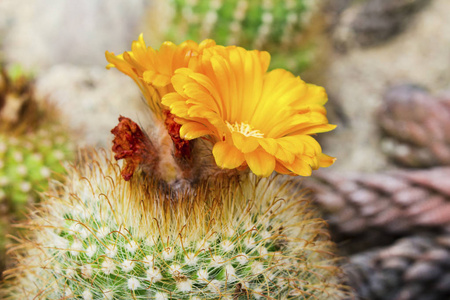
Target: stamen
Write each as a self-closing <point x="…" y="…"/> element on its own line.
<point x="245" y="128"/>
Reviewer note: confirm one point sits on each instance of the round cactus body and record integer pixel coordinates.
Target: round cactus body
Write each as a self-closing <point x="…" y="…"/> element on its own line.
<point x="100" y="237"/>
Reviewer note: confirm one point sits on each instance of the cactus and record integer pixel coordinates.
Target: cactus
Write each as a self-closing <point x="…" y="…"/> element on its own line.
<point x="100" y="237"/>
<point x="273" y="25"/>
<point x="418" y="137"/>
<point x="375" y="209"/>
<point x="372" y="22"/>
<point x="28" y="162"/>
<point x="413" y="268"/>
<point x="33" y="142"/>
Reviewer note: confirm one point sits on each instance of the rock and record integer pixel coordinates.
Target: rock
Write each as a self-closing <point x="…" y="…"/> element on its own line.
<point x="43" y="33"/>
<point x="93" y="98"/>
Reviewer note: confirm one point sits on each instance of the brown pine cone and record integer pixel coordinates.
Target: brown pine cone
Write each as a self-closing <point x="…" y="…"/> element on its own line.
<point x="377" y="208"/>
<point x="416" y="127"/>
<point x="414" y="268"/>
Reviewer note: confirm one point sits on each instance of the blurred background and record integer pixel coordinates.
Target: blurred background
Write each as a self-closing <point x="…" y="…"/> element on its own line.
<point x="384" y="63"/>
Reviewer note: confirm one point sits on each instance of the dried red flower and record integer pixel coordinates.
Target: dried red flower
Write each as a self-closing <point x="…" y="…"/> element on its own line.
<point x="182" y="146"/>
<point x="133" y="145"/>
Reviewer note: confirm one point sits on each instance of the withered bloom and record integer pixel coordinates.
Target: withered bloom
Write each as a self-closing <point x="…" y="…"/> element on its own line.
<point x="182" y="146"/>
<point x="133" y="145"/>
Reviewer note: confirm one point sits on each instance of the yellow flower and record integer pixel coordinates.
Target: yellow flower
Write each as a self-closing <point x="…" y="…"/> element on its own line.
<point x="263" y="120"/>
<point x="152" y="69"/>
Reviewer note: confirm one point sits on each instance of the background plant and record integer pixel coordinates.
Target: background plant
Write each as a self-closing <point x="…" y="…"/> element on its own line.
<point x="33" y="143"/>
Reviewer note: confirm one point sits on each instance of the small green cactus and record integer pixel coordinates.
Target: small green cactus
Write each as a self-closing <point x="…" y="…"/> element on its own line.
<point x="33" y="143"/>
<point x="100" y="237"/>
<point x="27" y="162"/>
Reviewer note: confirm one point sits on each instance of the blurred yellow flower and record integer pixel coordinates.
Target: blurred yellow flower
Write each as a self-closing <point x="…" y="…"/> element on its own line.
<point x="152" y="69"/>
<point x="263" y="120"/>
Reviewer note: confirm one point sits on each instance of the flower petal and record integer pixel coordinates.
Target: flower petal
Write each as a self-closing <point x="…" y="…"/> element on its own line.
<point x="260" y="162"/>
<point x="193" y="130"/>
<point x="284" y="155"/>
<point x="244" y="143"/>
<point x="280" y="168"/>
<point x="325" y="160"/>
<point x="227" y="156"/>
<point x="269" y="144"/>
<point x="300" y="167"/>
<point x="315" y="129"/>
<point x="155" y="79"/>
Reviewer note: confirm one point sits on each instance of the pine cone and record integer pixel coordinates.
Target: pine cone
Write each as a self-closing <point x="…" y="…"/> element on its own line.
<point x="416" y="127"/>
<point x="377" y="208"/>
<point x="413" y="268"/>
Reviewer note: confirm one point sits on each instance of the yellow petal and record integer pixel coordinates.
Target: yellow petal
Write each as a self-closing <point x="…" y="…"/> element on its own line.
<point x="300" y="167"/>
<point x="310" y="145"/>
<point x="325" y="160"/>
<point x="316" y="94"/>
<point x="314" y="129"/>
<point x="227" y="156"/>
<point x="288" y="143"/>
<point x="119" y="63"/>
<point x="206" y="44"/>
<point x="156" y="79"/>
<point x="171" y="98"/>
<point x="280" y="168"/>
<point x="179" y="79"/>
<point x="244" y="143"/>
<point x="260" y="162"/>
<point x="193" y="130"/>
<point x="284" y="155"/>
<point x="269" y="144"/>
<point x="177" y="107"/>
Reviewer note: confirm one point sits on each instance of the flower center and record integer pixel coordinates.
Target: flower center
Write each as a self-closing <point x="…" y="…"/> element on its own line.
<point x="245" y="129"/>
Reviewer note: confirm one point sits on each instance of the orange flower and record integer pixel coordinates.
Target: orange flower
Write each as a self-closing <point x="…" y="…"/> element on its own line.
<point x="263" y="120"/>
<point x="152" y="69"/>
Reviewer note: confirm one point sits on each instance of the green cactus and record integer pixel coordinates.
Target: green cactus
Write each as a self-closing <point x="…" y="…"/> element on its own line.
<point x="277" y="26"/>
<point x="27" y="162"/>
<point x="100" y="237"/>
<point x="33" y="143"/>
